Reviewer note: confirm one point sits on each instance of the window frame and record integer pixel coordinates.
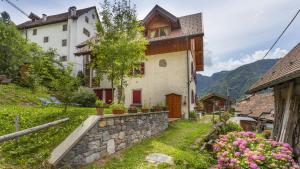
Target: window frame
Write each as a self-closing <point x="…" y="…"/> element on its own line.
<point x="87" y="19"/>
<point x="86" y="32"/>
<point x="64" y="44"/>
<point x="158" y="31"/>
<point x="46" y="39"/>
<point x="62" y="60"/>
<point x="65" y="27"/>
<point x="34" y="32"/>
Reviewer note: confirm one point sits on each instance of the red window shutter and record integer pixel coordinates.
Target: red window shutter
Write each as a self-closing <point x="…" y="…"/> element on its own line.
<point x="136" y="97"/>
<point x="142" y="68"/>
<point x="99" y="93"/>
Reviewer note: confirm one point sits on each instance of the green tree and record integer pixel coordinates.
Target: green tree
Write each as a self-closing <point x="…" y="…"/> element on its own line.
<point x="14" y="50"/>
<point x="42" y="69"/>
<point x="64" y="86"/>
<point x="121" y="46"/>
<point x="4" y="17"/>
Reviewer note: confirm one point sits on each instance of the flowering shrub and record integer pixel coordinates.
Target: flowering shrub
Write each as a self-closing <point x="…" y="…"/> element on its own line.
<point x="243" y="150"/>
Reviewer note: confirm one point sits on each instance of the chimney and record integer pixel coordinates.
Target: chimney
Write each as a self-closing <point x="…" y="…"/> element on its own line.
<point x="72" y="12"/>
<point x="44" y="17"/>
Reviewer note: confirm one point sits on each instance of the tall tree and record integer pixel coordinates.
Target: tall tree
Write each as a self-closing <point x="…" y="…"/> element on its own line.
<point x="5" y="17"/>
<point x="121" y="46"/>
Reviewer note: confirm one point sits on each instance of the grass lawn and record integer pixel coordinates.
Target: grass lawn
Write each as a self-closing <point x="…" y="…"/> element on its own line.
<point x="32" y="150"/>
<point x="175" y="141"/>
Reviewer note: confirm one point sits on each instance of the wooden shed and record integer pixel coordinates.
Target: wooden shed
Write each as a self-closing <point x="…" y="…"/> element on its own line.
<point x="284" y="78"/>
<point x="215" y="102"/>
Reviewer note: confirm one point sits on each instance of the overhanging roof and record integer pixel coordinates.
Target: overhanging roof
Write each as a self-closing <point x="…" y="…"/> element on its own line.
<point x="285" y="69"/>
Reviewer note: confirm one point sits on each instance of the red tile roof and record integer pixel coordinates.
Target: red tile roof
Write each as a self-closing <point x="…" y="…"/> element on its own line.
<point x="285" y="69"/>
<point x="256" y="104"/>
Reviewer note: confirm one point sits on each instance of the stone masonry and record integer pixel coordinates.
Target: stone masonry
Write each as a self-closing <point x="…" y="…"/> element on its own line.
<point x="113" y="133"/>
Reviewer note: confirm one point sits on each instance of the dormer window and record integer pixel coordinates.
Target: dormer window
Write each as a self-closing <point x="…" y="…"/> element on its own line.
<point x="158" y="32"/>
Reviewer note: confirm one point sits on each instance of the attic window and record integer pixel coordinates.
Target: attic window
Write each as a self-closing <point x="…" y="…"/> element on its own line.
<point x="158" y="32"/>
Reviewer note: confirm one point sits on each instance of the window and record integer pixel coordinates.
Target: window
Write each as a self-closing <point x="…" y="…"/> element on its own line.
<point x="137" y="97"/>
<point x="64" y="42"/>
<point x="164" y="31"/>
<point x="34" y="32"/>
<point x="63" y="58"/>
<point x="139" y="70"/>
<point x="162" y="63"/>
<point x="86" y="19"/>
<point x="86" y="32"/>
<point x="65" y="27"/>
<point x="46" y="39"/>
<point x="93" y="16"/>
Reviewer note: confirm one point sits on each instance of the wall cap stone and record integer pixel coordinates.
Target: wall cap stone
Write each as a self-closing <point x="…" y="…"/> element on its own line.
<point x="64" y="147"/>
<point x="131" y="114"/>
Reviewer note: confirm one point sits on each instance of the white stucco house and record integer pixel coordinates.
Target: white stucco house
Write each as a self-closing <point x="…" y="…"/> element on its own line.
<point x="168" y="76"/>
<point x="62" y="32"/>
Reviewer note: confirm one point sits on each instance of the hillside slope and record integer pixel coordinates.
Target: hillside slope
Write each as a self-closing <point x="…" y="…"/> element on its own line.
<point x="239" y="80"/>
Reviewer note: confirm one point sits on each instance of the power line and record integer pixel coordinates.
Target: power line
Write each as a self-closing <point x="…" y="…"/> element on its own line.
<point x="281" y="34"/>
<point x="15" y="6"/>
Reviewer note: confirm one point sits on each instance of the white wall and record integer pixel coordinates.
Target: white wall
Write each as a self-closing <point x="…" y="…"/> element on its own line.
<point x="74" y="36"/>
<point x="158" y="81"/>
<point x="54" y="32"/>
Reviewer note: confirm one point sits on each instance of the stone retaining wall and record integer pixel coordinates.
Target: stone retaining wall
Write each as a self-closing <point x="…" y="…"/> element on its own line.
<point x="109" y="135"/>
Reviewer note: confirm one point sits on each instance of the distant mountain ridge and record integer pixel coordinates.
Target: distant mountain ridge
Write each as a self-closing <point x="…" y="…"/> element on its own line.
<point x="239" y="80"/>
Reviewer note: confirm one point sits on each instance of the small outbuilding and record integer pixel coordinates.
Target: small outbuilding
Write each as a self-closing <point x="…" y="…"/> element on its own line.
<point x="215" y="102"/>
<point x="284" y="78"/>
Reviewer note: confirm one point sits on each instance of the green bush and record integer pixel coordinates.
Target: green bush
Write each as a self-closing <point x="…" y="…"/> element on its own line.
<point x="224" y="116"/>
<point x="229" y="127"/>
<point x="193" y="115"/>
<point x="100" y="103"/>
<point x="85" y="97"/>
<point x="119" y="106"/>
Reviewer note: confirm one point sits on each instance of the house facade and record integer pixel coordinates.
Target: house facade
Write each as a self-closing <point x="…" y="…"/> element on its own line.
<point x="168" y="76"/>
<point x="62" y="32"/>
<point x="284" y="78"/>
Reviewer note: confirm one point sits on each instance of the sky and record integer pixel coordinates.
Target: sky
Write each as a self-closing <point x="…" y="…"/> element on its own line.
<point x="236" y="32"/>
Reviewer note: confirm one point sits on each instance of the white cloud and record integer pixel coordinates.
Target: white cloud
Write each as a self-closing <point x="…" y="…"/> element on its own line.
<point x="249" y="58"/>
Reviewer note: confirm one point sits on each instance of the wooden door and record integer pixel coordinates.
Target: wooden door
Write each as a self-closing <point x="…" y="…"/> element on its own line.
<point x="108" y="96"/>
<point x="174" y="105"/>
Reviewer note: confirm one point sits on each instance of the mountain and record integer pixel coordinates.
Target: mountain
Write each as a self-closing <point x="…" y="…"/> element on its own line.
<point x="239" y="80"/>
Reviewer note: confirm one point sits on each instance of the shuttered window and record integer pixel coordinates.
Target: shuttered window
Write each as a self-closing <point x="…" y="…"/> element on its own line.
<point x="138" y="71"/>
<point x="136" y="97"/>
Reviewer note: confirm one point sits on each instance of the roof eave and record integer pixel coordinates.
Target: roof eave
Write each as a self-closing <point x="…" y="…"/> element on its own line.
<point x="283" y="79"/>
<point x="177" y="37"/>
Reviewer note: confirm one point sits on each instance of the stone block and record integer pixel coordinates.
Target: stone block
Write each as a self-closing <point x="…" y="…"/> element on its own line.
<point x="122" y="135"/>
<point x="110" y="122"/>
<point x="106" y="136"/>
<point x="92" y="157"/>
<point x="102" y="123"/>
<point x="111" y="146"/>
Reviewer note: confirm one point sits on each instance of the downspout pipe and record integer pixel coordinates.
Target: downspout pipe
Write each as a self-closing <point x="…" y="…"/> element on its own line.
<point x="188" y="74"/>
